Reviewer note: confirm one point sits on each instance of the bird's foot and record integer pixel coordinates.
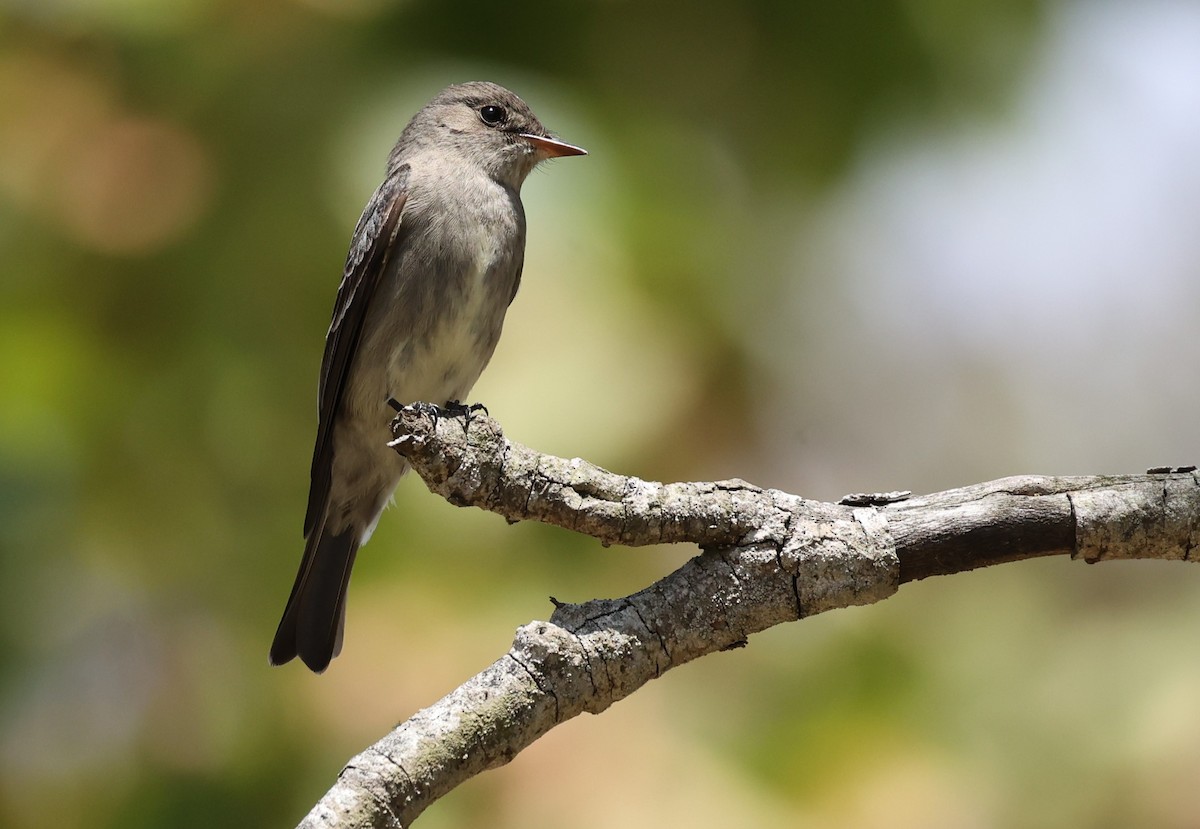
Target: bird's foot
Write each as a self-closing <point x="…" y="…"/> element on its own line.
<point x="452" y="408"/>
<point x="431" y="410"/>
<point x="457" y="408"/>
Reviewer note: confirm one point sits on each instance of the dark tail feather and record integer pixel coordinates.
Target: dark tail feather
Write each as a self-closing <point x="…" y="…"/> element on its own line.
<point x="312" y="623"/>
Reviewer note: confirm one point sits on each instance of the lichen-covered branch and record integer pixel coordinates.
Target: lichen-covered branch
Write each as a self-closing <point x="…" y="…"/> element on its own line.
<point x="766" y="557"/>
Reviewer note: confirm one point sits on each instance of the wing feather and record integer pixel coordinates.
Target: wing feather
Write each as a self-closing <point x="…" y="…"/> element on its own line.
<point x="375" y="238"/>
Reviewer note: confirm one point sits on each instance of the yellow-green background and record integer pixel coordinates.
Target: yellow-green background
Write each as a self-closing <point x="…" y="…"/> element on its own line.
<point x="823" y="246"/>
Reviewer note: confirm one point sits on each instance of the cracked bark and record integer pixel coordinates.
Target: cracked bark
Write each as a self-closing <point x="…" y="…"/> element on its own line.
<point x="766" y="557"/>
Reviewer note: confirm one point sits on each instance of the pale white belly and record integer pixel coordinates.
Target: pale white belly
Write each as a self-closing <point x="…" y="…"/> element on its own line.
<point x="445" y="364"/>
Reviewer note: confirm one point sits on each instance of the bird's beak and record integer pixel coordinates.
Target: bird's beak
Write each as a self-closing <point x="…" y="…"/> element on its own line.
<point x="552" y="147"/>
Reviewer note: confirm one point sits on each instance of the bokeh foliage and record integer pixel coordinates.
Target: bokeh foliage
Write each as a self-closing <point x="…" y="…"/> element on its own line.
<point x="178" y="181"/>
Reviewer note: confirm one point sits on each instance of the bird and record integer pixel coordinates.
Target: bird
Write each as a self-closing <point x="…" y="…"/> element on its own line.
<point x="434" y="262"/>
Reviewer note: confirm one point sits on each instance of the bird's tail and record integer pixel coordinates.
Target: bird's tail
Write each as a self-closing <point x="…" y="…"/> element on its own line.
<point x="315" y="615"/>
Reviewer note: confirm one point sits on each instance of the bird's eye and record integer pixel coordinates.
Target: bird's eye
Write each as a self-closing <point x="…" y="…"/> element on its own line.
<point x="492" y="114"/>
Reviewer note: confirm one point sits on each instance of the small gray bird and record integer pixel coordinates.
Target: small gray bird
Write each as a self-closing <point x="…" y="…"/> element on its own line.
<point x="434" y="263"/>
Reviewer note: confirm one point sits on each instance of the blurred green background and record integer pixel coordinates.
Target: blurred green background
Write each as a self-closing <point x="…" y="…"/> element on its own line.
<point x="826" y="247"/>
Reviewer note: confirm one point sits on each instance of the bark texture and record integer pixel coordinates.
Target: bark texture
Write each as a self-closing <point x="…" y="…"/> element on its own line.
<point x="766" y="557"/>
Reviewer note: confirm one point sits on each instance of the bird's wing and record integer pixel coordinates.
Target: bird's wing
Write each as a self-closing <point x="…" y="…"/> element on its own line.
<point x="375" y="239"/>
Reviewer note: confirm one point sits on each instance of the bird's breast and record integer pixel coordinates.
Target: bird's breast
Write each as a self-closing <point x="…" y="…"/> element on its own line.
<point x="450" y="295"/>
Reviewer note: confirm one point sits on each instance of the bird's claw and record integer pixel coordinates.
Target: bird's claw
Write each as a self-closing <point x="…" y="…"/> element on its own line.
<point x="452" y="408"/>
<point x="456" y="408"/>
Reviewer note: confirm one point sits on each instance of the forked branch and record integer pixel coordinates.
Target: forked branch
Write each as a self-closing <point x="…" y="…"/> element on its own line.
<point x="766" y="557"/>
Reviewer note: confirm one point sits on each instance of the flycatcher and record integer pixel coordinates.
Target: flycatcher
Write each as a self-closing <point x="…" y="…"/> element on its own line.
<point x="433" y="265"/>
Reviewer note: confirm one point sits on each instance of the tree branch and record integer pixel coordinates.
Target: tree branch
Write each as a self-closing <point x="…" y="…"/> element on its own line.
<point x="767" y="557"/>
